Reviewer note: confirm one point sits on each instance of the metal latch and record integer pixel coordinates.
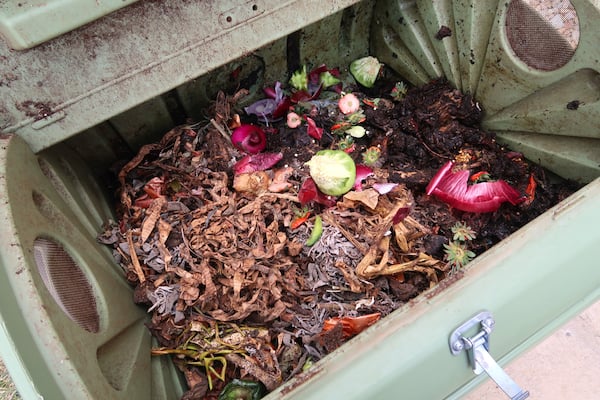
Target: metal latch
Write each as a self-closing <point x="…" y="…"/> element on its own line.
<point x="477" y="348"/>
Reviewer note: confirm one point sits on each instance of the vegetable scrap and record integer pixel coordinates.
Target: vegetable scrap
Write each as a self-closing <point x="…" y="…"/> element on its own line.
<point x="316" y="233"/>
<point x="333" y="171"/>
<point x="365" y="70"/>
<point x="453" y="188"/>
<point x="349" y="104"/>
<point x="249" y="138"/>
<point x="264" y="238"/>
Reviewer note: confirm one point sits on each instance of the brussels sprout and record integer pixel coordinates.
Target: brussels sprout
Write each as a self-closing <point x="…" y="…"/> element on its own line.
<point x="333" y="171"/>
<point x="365" y="70"/>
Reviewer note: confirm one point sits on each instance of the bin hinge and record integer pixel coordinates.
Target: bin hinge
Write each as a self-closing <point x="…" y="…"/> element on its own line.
<point x="477" y="348"/>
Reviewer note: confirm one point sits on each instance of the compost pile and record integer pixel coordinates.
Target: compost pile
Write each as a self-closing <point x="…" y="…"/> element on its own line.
<point x="252" y="273"/>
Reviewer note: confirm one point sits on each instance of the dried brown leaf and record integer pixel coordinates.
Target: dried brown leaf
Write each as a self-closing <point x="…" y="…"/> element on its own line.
<point x="208" y="297"/>
<point x="356" y="286"/>
<point x="164" y="229"/>
<point x="400" y="233"/>
<point x="189" y="294"/>
<point x="375" y="261"/>
<point x="197" y="382"/>
<point x="238" y="281"/>
<point x="134" y="258"/>
<point x="368" y="197"/>
<point x="142" y="153"/>
<point x="271" y="379"/>
<point x="152" y="215"/>
<point x="294" y="248"/>
<point x="332" y="220"/>
<point x="422" y="263"/>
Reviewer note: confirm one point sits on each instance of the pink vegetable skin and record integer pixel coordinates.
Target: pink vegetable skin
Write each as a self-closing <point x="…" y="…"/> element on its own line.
<point x="384" y="188"/>
<point x="249" y="138"/>
<point x="309" y="192"/>
<point x="273" y="107"/>
<point x="349" y="104"/>
<point x="453" y="188"/>
<point x="400" y="215"/>
<point x="256" y="162"/>
<point x="312" y="129"/>
<point x="293" y="120"/>
<point x="362" y="173"/>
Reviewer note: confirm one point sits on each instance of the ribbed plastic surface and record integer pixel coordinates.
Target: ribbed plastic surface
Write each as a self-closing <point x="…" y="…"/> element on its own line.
<point x="539" y="86"/>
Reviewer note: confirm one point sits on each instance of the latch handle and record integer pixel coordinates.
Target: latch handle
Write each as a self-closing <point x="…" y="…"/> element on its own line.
<point x="504" y="382"/>
<point x="480" y="359"/>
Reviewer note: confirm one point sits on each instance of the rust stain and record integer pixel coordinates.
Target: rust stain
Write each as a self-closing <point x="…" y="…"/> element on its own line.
<point x="36" y="109"/>
<point x="444" y="284"/>
<point x="301" y="379"/>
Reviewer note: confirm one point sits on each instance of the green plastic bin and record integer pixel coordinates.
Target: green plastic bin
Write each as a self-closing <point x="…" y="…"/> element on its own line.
<point x="25" y="24"/>
<point x="71" y="106"/>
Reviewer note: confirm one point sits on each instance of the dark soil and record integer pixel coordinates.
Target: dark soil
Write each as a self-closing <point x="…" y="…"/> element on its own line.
<point x="233" y="288"/>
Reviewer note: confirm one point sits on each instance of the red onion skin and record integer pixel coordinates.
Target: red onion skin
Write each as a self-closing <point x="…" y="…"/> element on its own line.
<point x="312" y="129"/>
<point x="249" y="138"/>
<point x="453" y="188"/>
<point x="400" y="215"/>
<point x="256" y="162"/>
<point x="270" y="92"/>
<point x="362" y="173"/>
<point x="309" y="192"/>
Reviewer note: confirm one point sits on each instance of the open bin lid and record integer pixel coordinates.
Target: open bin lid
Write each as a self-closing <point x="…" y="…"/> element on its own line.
<point x="87" y="76"/>
<point x="25" y="24"/>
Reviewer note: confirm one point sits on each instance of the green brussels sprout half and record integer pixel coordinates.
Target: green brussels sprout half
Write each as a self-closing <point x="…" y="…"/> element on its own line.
<point x="333" y="171"/>
<point x="365" y="70"/>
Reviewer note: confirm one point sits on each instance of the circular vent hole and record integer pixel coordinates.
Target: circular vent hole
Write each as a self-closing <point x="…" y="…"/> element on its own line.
<point x="66" y="283"/>
<point x="543" y="34"/>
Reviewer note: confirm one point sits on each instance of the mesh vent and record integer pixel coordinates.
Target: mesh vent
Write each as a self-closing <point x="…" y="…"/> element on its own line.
<point x="66" y="283"/>
<point x="543" y="34"/>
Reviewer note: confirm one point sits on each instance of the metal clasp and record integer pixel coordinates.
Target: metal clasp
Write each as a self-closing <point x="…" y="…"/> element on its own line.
<point x="477" y="348"/>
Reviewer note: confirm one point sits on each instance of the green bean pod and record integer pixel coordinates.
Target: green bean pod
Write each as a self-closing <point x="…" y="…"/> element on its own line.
<point x="316" y="233"/>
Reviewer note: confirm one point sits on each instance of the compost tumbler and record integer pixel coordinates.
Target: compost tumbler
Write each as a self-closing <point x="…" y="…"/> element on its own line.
<point x="73" y="105"/>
